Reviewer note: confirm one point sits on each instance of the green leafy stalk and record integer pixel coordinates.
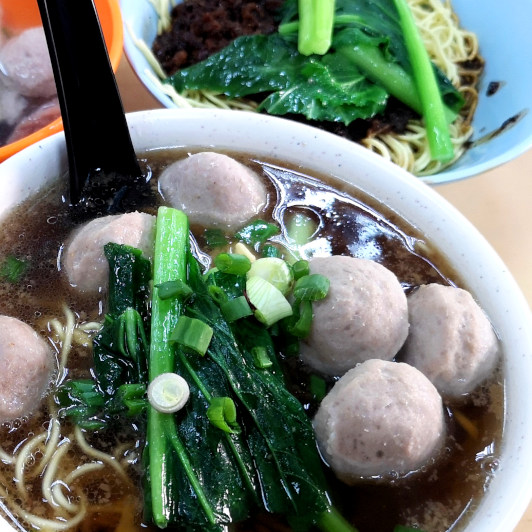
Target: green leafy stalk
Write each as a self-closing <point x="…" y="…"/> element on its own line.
<point x="315" y="26"/>
<point x="171" y="245"/>
<point x="198" y="474"/>
<point x="441" y="147"/>
<point x="120" y="349"/>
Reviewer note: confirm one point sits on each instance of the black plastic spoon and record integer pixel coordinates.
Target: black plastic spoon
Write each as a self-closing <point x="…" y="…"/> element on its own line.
<point x="104" y="173"/>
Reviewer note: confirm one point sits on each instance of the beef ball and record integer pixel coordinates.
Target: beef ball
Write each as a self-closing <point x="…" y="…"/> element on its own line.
<point x="12" y="104"/>
<point x="451" y="340"/>
<point x="84" y="260"/>
<point x="381" y="420"/>
<point x="40" y="117"/>
<point x="364" y="315"/>
<point x="25" y="61"/>
<point x="214" y="190"/>
<point x="27" y="364"/>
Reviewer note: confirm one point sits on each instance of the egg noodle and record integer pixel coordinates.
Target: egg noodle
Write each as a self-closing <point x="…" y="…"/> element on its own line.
<point x="30" y="472"/>
<point x="454" y="50"/>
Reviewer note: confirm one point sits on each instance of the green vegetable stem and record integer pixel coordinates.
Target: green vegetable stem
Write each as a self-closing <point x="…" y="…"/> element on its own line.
<point x="438" y="136"/>
<point x="315" y="26"/>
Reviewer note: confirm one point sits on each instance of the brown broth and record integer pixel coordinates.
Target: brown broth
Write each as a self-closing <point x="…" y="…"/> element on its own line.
<point x="349" y="223"/>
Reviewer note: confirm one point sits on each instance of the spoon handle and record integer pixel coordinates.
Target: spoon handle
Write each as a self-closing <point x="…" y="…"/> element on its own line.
<point x="96" y="131"/>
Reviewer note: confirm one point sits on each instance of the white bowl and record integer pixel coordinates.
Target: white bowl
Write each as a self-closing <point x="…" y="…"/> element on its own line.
<point x="482" y="270"/>
<point x="504" y="35"/>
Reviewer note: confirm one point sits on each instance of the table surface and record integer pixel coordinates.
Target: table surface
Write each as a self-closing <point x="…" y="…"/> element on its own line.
<point x="496" y="202"/>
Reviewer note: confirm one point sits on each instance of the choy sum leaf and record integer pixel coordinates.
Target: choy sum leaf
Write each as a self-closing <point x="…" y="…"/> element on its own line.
<point x="120" y="348"/>
<point x="318" y="89"/>
<point x="277" y="431"/>
<point x="198" y="477"/>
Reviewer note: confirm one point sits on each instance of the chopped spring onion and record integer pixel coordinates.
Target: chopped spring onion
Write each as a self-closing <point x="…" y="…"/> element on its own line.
<point x="13" y="269"/>
<point x="300" y="268"/>
<point x="192" y="333"/>
<point x="172" y="289"/>
<point x="261" y="358"/>
<point x="214" y="238"/>
<point x="168" y="393"/>
<point x="270" y="250"/>
<point x="301" y="327"/>
<point x="270" y="304"/>
<point x="222" y="414"/>
<point x="274" y="270"/>
<point x="218" y="294"/>
<point x="257" y="232"/>
<point x="311" y="287"/>
<point x="236" y="308"/>
<point x="232" y="263"/>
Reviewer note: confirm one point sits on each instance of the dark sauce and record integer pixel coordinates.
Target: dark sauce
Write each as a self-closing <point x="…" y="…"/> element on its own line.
<point x="348" y="222"/>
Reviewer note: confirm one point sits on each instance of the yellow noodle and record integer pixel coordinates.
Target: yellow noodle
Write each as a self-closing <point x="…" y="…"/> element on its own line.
<point x="98" y="455"/>
<point x="22" y="459"/>
<point x="54" y="434"/>
<point x="51" y="471"/>
<point x="6" y="458"/>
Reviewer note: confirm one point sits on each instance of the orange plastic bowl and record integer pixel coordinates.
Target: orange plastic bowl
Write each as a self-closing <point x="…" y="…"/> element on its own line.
<point x="25" y="14"/>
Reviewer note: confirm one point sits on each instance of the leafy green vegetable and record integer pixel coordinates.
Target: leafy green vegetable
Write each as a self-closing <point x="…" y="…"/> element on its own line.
<point x="199" y="483"/>
<point x="214" y="238"/>
<point x="278" y="432"/>
<point x="294" y="83"/>
<point x="368" y="61"/>
<point x="257" y="232"/>
<point x="120" y="348"/>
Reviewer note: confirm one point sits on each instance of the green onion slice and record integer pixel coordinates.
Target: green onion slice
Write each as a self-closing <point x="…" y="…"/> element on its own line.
<point x="274" y="270"/>
<point x="269" y="303"/>
<point x="222" y="414"/>
<point x="174" y="289"/>
<point x="192" y="333"/>
<point x="168" y="393"/>
<point x="311" y="287"/>
<point x="232" y="263"/>
<point x="236" y="308"/>
<point x="261" y="358"/>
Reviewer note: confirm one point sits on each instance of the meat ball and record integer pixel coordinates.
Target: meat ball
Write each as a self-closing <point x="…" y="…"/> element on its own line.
<point x="451" y="340"/>
<point x="381" y="420"/>
<point x="40" y="117"/>
<point x="27" y="363"/>
<point x="25" y="60"/>
<point x="214" y="190"/>
<point x="364" y="315"/>
<point x="12" y="104"/>
<point x="84" y="260"/>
